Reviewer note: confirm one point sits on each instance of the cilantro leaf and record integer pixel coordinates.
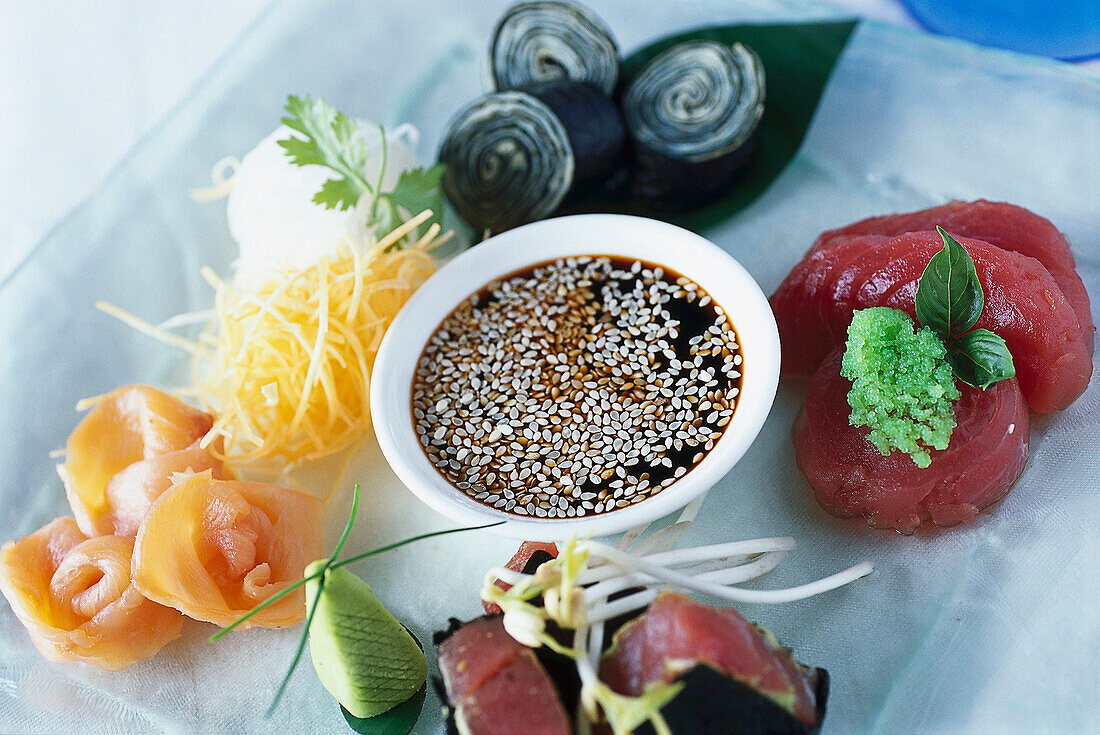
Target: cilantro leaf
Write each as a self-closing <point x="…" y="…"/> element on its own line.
<point x="949" y="296"/>
<point x="980" y="358"/>
<point x="386" y="218"/>
<point x="419" y="189"/>
<point x="416" y="190"/>
<point x="332" y="140"/>
<point x="337" y="194"/>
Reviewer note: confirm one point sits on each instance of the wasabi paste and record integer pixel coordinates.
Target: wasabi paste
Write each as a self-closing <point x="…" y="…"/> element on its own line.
<point x="363" y="655"/>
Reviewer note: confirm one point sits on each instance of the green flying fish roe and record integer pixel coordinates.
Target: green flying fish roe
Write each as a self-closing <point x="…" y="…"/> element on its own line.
<point x="902" y="386"/>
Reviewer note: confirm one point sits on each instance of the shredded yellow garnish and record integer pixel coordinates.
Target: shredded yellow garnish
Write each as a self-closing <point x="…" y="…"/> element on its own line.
<point x="286" y="368"/>
<point x="290" y="372"/>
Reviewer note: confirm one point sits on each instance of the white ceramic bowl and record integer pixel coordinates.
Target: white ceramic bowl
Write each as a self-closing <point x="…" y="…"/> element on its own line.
<point x="728" y="283"/>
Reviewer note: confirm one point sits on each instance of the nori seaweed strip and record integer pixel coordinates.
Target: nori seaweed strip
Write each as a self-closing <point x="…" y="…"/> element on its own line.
<point x="448" y="711"/>
<point x="560" y="670"/>
<point x="552" y="41"/>
<point x="438" y="637"/>
<point x="515" y="157"/>
<point x="714" y="704"/>
<point x="536" y="560"/>
<point x="693" y="114"/>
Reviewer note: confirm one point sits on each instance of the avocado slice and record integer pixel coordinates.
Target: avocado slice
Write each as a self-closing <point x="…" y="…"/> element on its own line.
<point x="363" y="655"/>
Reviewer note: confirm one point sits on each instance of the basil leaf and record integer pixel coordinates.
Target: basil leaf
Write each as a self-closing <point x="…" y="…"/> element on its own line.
<point x="949" y="297"/>
<point x="980" y="358"/>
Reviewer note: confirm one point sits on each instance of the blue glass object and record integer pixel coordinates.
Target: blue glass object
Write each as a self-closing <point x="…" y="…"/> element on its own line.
<point x="1063" y="29"/>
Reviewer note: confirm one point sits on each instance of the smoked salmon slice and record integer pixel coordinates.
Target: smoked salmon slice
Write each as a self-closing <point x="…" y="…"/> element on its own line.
<point x="119" y="457"/>
<point x="75" y="597"/>
<point x="214" y="549"/>
<point x="1023" y="304"/>
<point x="987" y="453"/>
<point x="998" y="223"/>
<point x="131" y="492"/>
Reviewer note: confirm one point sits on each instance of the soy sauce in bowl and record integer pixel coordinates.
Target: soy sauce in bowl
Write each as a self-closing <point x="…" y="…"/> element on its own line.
<point x="576" y="386"/>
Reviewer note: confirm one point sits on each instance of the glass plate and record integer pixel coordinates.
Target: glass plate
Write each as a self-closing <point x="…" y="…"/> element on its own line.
<point x="989" y="628"/>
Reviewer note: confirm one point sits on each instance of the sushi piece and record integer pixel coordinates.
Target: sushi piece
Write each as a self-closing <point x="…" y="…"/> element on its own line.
<point x="737" y="677"/>
<point x="1023" y="304"/>
<point x="693" y="114"/>
<point x="850" y="477"/>
<point x="998" y="223"/>
<point x="527" y="559"/>
<point x="136" y="428"/>
<point x="215" y="549"/>
<point x="76" y="599"/>
<point x="553" y="41"/>
<point x="515" y="157"/>
<point x="496" y="685"/>
<point x="681" y="667"/>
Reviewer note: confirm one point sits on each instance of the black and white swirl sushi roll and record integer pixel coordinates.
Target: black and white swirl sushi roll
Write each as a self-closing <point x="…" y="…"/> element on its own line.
<point x="693" y="113"/>
<point x="514" y="157"/>
<point x="553" y="41"/>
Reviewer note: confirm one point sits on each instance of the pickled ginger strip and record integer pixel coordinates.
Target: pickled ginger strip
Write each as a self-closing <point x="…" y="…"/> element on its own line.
<point x="118" y="458"/>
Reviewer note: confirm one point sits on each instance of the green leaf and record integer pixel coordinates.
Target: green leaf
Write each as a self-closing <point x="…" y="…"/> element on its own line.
<point x="949" y="297"/>
<point x="417" y="189"/>
<point x="397" y="721"/>
<point x="980" y="358"/>
<point x="338" y="194"/>
<point x="386" y="218"/>
<point x="332" y="140"/>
